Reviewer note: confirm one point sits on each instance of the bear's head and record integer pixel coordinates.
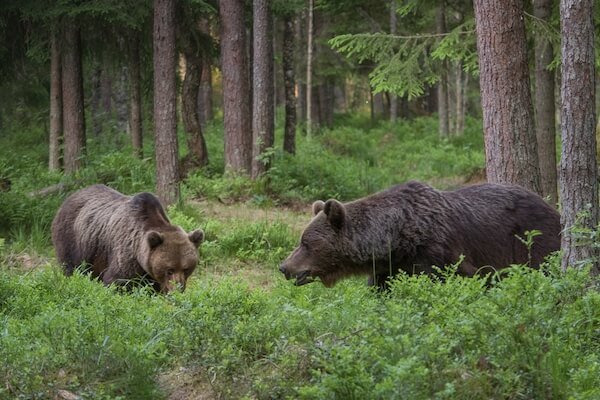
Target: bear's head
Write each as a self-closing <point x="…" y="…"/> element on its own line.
<point x="171" y="256"/>
<point x="325" y="247"/>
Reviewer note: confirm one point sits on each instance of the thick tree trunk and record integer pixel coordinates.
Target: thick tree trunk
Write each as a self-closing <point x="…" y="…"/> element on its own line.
<point x="197" y="152"/>
<point x="165" y="104"/>
<point x="544" y="105"/>
<point x="135" y="97"/>
<point x="236" y="88"/>
<point x="263" y="118"/>
<point x="510" y="145"/>
<point x="56" y="104"/>
<point x="578" y="167"/>
<point x="289" y="83"/>
<point x="442" y="86"/>
<point x="72" y="89"/>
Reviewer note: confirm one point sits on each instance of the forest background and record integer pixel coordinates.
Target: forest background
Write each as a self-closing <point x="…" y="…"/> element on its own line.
<point x="239" y="115"/>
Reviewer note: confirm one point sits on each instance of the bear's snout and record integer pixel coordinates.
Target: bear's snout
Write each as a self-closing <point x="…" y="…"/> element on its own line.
<point x="284" y="271"/>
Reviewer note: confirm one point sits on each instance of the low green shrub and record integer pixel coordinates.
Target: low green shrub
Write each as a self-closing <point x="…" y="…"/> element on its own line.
<point x="259" y="241"/>
<point x="532" y="335"/>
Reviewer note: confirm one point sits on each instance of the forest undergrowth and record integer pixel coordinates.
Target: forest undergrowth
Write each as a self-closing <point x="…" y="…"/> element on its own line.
<point x="240" y="330"/>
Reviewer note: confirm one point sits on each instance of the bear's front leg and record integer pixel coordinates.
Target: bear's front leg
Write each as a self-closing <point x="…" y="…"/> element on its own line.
<point x="380" y="281"/>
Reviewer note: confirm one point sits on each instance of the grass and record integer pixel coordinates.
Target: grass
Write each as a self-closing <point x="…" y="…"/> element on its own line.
<point x="241" y="331"/>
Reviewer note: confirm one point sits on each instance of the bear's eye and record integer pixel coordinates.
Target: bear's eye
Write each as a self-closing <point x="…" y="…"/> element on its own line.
<point x="170" y="271"/>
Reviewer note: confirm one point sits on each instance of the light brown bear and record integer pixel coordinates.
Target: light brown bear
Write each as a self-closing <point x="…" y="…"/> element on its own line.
<point x="413" y="227"/>
<point x="123" y="238"/>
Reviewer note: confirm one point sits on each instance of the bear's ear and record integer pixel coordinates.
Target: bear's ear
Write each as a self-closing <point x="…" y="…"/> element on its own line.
<point x="336" y="212"/>
<point x="317" y="206"/>
<point x="196" y="237"/>
<point x="154" y="239"/>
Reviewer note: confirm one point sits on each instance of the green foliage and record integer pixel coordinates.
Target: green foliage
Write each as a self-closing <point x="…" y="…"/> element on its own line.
<point x="407" y="64"/>
<point x="460" y="45"/>
<point x="401" y="64"/>
<point x="264" y="241"/>
<point x="350" y="162"/>
<point x="61" y="333"/>
<point x="532" y="335"/>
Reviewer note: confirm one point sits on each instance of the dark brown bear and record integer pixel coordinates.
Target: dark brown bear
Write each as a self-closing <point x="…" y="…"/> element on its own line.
<point x="413" y="227"/>
<point x="123" y="238"/>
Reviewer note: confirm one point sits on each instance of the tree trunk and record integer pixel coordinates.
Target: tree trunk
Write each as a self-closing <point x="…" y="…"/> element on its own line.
<point x="121" y="102"/>
<point x="289" y="83"/>
<point x="510" y="145"/>
<point x="442" y="86"/>
<point x="135" y="96"/>
<point x="56" y="106"/>
<point x="326" y="100"/>
<point x="97" y="115"/>
<point x="106" y="89"/>
<point x="197" y="152"/>
<point x="460" y="99"/>
<point x="72" y="88"/>
<point x="205" y="92"/>
<point x="236" y="88"/>
<point x="378" y="105"/>
<point x="263" y="117"/>
<point x="578" y="169"/>
<point x="301" y="101"/>
<point x="544" y="105"/>
<point x="393" y="29"/>
<point x="309" y="56"/>
<point x="165" y="102"/>
<point x="205" y="103"/>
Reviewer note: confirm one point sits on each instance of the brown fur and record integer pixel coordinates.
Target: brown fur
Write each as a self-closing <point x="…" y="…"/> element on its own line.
<point x="123" y="237"/>
<point x="413" y="227"/>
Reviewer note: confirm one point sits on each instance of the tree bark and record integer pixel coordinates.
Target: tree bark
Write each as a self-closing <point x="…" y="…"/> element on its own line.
<point x="301" y="101"/>
<point x="121" y="102"/>
<point x="106" y="89"/>
<point x="205" y="103"/>
<point x="197" y="151"/>
<point x="460" y="99"/>
<point x="263" y="118"/>
<point x="578" y="168"/>
<point x="165" y="105"/>
<point x="510" y="145"/>
<point x="309" y="56"/>
<point x="205" y="92"/>
<point x="96" y="114"/>
<point x="442" y="86"/>
<point x="135" y="96"/>
<point x="326" y="102"/>
<point x="289" y="83"/>
<point x="544" y="105"/>
<point x="236" y="87"/>
<point x="56" y="104"/>
<point x="393" y="30"/>
<point x="72" y="89"/>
